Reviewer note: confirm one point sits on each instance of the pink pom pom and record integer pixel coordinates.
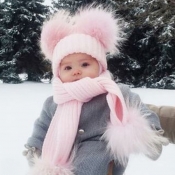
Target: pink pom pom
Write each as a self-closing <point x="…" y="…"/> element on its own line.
<point x="43" y="167"/>
<point x="53" y="31"/>
<point x="101" y="24"/>
<point x="134" y="137"/>
<point x="96" y="22"/>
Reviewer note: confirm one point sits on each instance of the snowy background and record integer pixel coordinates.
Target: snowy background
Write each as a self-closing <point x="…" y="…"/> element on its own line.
<point x="20" y="105"/>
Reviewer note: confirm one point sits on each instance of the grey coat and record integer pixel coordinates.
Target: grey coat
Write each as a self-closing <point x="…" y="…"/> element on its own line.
<point x="91" y="155"/>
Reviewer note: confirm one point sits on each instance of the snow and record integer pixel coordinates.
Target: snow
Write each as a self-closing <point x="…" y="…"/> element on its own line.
<point x="48" y="2"/>
<point x="20" y="105"/>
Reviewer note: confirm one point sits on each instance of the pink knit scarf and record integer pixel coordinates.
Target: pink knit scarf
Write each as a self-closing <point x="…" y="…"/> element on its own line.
<point x="128" y="130"/>
<point x="70" y="98"/>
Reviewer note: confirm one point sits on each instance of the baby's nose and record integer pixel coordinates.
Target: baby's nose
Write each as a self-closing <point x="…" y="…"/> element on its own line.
<point x="77" y="72"/>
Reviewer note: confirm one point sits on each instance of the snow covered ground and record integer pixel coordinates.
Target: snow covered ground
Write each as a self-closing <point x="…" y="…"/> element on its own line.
<point x="21" y="104"/>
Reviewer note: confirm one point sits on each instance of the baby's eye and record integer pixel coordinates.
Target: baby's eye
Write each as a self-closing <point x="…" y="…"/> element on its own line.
<point x="67" y="68"/>
<point x="85" y="64"/>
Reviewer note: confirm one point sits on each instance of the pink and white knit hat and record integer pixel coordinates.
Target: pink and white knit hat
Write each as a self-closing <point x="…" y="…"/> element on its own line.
<point x="91" y="31"/>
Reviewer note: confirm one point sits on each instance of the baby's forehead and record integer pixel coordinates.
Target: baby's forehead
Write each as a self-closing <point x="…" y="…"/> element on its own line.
<point x="76" y="57"/>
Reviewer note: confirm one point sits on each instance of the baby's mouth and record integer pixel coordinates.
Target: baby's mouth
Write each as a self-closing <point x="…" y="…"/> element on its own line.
<point x="76" y="79"/>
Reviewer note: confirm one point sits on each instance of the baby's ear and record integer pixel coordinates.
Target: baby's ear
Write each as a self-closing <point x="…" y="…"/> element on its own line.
<point x="101" y="24"/>
<point x="53" y="31"/>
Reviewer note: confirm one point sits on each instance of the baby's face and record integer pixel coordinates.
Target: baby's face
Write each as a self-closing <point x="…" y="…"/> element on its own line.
<point x="77" y="66"/>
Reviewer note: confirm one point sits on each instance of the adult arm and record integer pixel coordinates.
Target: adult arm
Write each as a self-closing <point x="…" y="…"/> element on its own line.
<point x="167" y="119"/>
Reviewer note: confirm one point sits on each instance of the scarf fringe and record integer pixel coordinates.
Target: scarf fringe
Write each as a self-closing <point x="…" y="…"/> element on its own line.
<point x="134" y="137"/>
<point x="42" y="167"/>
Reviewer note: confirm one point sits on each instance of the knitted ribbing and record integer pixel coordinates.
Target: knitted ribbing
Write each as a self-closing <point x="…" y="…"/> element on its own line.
<point x="70" y="98"/>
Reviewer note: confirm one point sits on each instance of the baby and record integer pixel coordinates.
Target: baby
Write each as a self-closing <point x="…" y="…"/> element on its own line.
<point x="90" y="120"/>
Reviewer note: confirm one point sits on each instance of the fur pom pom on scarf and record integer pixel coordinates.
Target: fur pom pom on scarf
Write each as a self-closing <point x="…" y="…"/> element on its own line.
<point x="128" y="131"/>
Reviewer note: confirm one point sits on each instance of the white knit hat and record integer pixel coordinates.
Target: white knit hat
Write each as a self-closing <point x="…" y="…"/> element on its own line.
<point x="78" y="43"/>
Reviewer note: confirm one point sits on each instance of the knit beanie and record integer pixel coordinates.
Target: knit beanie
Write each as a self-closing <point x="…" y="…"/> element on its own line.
<point x="92" y="31"/>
